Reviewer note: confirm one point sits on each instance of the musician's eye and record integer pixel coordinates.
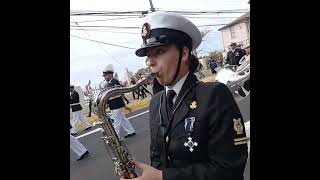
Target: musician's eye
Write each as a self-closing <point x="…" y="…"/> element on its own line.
<point x="157" y="51"/>
<point x="160" y="51"/>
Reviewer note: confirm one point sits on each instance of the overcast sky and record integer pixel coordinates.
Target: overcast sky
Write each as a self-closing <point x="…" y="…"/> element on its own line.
<point x="88" y="59"/>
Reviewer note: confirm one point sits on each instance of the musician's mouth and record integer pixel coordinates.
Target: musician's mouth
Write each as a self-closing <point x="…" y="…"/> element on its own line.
<point x="155" y="74"/>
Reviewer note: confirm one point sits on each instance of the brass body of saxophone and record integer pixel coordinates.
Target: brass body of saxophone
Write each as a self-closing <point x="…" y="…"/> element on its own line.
<point x="116" y="148"/>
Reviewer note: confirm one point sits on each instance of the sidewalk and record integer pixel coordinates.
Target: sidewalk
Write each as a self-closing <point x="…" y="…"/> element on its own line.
<point x="135" y="105"/>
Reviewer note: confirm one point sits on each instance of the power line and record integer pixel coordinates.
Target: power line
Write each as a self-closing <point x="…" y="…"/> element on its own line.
<point x="102" y="30"/>
<point x="104" y="50"/>
<point x="113" y="13"/>
<point x="123" y="27"/>
<point x="104" y="19"/>
<point x="210" y="17"/>
<point x="141" y="13"/>
<point x="208" y="11"/>
<point x="130" y="41"/>
<point x="102" y="42"/>
<point x="198" y="17"/>
<point x="132" y="27"/>
<point x="212" y="25"/>
<point x="106" y="12"/>
<point x="173" y="9"/>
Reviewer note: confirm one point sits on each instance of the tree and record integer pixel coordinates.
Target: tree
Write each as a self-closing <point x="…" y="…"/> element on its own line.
<point x="141" y="71"/>
<point x="216" y="55"/>
<point x="204" y="33"/>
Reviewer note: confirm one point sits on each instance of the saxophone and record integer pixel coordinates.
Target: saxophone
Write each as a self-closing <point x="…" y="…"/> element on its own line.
<point x="116" y="148"/>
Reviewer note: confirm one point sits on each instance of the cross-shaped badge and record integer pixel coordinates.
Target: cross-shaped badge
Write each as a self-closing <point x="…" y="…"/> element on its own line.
<point x="190" y="144"/>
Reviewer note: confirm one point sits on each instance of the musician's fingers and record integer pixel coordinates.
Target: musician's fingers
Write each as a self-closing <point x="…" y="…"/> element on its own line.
<point x="122" y="178"/>
<point x="131" y="178"/>
<point x="139" y="164"/>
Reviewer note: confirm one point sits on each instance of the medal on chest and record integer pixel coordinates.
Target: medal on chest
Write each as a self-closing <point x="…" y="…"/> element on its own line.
<point x="188" y="126"/>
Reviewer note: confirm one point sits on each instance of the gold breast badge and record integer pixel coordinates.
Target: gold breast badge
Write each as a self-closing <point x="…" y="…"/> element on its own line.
<point x="193" y="105"/>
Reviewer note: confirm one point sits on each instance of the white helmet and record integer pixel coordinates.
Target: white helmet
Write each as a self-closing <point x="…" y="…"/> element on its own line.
<point x="108" y="69"/>
<point x="160" y="28"/>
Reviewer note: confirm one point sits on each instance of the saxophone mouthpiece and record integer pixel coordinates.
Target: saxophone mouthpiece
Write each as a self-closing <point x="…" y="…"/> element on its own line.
<point x="154" y="74"/>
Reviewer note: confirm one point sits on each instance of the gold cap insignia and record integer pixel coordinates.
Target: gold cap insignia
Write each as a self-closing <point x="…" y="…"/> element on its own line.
<point x="145" y="31"/>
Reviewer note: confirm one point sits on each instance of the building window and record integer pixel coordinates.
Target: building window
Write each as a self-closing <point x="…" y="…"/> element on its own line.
<point x="232" y="32"/>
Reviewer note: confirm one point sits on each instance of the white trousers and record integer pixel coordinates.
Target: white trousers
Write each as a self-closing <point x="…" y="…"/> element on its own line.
<point x="121" y="121"/>
<point x="77" y="116"/>
<point x="76" y="146"/>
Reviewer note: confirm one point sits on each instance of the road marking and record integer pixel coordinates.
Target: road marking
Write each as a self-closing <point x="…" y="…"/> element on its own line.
<point x="138" y="114"/>
<point x="100" y="129"/>
<point x="88" y="133"/>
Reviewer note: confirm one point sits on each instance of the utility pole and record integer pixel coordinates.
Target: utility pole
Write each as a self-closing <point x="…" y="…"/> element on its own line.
<point x="151" y="5"/>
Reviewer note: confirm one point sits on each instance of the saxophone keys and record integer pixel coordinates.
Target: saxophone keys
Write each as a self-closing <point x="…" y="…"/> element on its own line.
<point x="97" y="123"/>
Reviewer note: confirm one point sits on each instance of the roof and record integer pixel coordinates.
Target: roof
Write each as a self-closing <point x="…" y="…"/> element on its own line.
<point x="240" y="19"/>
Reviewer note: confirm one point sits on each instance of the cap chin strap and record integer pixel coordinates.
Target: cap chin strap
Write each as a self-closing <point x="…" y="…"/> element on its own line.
<point x="178" y="67"/>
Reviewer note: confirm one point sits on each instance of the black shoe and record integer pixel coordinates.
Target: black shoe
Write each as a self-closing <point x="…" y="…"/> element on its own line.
<point x="89" y="115"/>
<point x="74" y="134"/>
<point x="128" y="135"/>
<point x="86" y="154"/>
<point x="88" y="128"/>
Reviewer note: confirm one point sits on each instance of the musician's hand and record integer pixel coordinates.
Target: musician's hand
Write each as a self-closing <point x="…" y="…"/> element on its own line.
<point x="148" y="172"/>
<point x="131" y="177"/>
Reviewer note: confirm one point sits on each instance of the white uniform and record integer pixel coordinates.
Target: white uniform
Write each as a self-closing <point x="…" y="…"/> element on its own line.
<point x="116" y="104"/>
<point x="76" y="146"/>
<point x="121" y="121"/>
<point x="78" y="117"/>
<point x="76" y="109"/>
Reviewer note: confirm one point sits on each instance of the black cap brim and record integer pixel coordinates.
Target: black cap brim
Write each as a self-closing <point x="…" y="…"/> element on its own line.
<point x="144" y="50"/>
<point x="164" y="36"/>
<point x="106" y="72"/>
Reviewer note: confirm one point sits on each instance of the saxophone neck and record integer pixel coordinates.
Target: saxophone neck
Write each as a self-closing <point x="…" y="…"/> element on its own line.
<point x="104" y="96"/>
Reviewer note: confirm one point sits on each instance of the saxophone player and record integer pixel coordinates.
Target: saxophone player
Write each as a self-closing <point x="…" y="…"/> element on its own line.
<point x="197" y="131"/>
